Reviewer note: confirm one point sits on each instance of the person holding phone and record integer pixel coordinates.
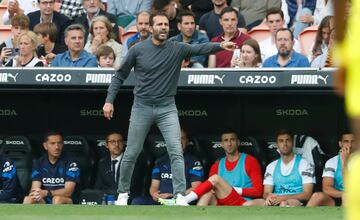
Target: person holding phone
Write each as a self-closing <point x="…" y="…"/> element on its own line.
<point x="27" y="52"/>
<point x="19" y="25"/>
<point x="249" y="57"/>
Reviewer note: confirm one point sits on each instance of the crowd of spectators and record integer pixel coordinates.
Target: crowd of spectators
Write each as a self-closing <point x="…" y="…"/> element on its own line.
<point x="189" y="22"/>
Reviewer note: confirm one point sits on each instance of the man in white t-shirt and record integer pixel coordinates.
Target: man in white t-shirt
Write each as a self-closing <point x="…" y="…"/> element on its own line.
<point x="275" y="21"/>
<point x="333" y="186"/>
<point x="288" y="181"/>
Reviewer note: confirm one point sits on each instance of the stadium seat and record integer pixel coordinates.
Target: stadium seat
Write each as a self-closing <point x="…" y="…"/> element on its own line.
<point x="18" y="149"/>
<point x="5" y="32"/>
<point x="157" y="145"/>
<point x="97" y="144"/>
<point x="124" y="35"/>
<point x="260" y="32"/>
<point x="91" y="197"/>
<point x="3" y="8"/>
<point x="307" y="40"/>
<point x="78" y="148"/>
<point x="251" y="146"/>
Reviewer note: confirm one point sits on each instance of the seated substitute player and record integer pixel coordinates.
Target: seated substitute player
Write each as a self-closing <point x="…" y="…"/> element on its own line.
<point x="332" y="185"/>
<point x="9" y="183"/>
<point x="234" y="179"/>
<point x="288" y="181"/>
<point x="54" y="176"/>
<point x="161" y="183"/>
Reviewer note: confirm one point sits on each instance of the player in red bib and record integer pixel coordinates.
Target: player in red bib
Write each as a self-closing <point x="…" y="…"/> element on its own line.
<point x="233" y="180"/>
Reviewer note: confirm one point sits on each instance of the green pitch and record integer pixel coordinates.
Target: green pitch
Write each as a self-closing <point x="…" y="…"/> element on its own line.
<point x="84" y="212"/>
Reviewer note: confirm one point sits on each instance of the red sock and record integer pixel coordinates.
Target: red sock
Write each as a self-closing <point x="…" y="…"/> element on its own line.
<point x="203" y="188"/>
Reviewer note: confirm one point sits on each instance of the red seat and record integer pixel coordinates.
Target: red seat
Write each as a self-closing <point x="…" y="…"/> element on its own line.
<point x="260" y="32"/>
<point x="307" y="40"/>
<point x="125" y="35"/>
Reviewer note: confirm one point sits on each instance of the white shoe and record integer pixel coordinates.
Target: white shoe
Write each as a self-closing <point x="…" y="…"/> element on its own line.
<point x="180" y="200"/>
<point x="122" y="199"/>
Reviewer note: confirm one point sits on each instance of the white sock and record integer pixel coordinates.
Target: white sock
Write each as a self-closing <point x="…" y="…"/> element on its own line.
<point x="191" y="197"/>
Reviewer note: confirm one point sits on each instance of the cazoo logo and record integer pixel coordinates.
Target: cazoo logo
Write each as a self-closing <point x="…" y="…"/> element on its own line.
<point x="53" y="77"/>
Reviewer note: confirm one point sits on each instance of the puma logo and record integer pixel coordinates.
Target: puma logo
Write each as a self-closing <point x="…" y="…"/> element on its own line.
<point x="12" y="76"/>
<point x="220" y="78"/>
<point x="323" y="78"/>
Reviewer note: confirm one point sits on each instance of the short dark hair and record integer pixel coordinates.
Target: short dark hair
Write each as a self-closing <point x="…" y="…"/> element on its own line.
<point x="184" y="13"/>
<point x="272" y="11"/>
<point x="72" y="27"/>
<point x="229" y="131"/>
<point x="49" y="133"/>
<point x="285" y="29"/>
<point x="153" y="15"/>
<point x="282" y="132"/>
<point x="160" y="4"/>
<point x="342" y="133"/>
<point x="111" y="133"/>
<point x="227" y="10"/>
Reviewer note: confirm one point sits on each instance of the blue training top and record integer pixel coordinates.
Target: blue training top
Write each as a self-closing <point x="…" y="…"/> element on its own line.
<point x="162" y="171"/>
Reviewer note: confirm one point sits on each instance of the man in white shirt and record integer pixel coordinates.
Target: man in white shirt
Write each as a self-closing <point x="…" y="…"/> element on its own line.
<point x="275" y="21"/>
<point x="332" y="185"/>
<point x="288" y="181"/>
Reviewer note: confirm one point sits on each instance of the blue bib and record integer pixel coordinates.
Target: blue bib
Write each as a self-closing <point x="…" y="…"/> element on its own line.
<point x="238" y="176"/>
<point x="290" y="184"/>
<point x="338" y="178"/>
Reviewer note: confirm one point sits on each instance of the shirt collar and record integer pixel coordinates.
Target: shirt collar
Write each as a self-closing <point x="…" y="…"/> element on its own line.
<point x="236" y="35"/>
<point x="292" y="58"/>
<point x="118" y="158"/>
<point x="81" y="56"/>
<point x="88" y="19"/>
<point x="41" y="19"/>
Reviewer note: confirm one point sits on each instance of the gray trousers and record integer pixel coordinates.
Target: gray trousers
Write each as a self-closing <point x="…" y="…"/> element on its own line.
<point x="143" y="116"/>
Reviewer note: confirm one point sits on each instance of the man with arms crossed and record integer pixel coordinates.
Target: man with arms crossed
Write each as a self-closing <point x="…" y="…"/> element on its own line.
<point x="157" y="64"/>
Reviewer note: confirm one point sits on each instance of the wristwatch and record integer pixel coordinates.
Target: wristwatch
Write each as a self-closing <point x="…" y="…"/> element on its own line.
<point x="49" y="194"/>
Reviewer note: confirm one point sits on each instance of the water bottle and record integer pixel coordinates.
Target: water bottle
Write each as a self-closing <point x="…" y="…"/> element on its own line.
<point x="111" y="200"/>
<point x="104" y="198"/>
